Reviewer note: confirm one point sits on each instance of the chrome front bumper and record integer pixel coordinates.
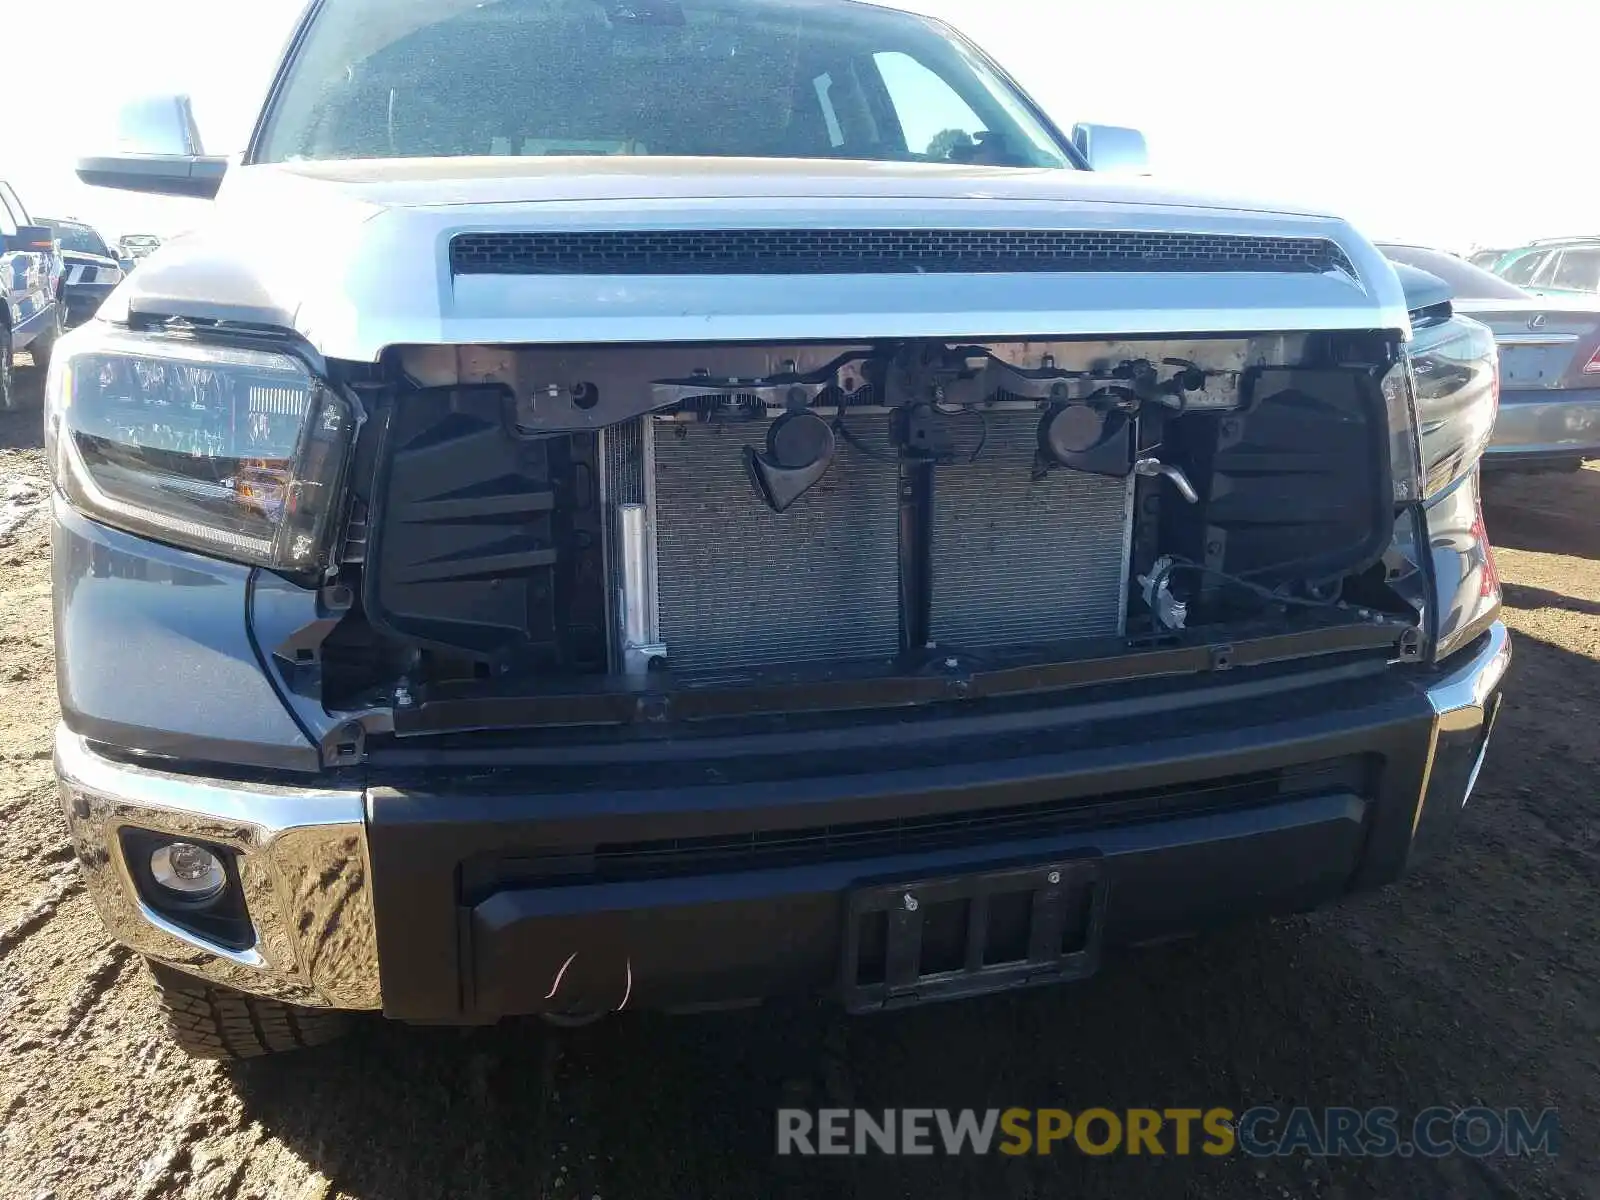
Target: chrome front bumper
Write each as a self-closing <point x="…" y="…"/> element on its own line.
<point x="302" y="862"/>
<point x="304" y="866"/>
<point x="1465" y="704"/>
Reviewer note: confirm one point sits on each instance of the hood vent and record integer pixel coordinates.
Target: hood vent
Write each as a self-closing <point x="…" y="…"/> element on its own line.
<point x="881" y="251"/>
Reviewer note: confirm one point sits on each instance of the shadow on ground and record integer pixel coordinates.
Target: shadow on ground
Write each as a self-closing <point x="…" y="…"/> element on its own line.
<point x="1462" y="985"/>
<point x="1551" y="513"/>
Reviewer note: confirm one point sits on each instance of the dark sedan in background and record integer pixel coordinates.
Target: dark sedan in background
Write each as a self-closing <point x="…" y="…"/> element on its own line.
<point x="1549" y="362"/>
<point x="91" y="268"/>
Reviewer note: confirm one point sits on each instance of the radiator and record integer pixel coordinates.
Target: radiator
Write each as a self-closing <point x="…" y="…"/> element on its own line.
<point x="740" y="585"/>
<point x="737" y="585"/>
<point x="1016" y="561"/>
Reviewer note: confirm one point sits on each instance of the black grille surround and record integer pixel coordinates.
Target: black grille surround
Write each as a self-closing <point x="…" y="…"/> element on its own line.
<point x="883" y="251"/>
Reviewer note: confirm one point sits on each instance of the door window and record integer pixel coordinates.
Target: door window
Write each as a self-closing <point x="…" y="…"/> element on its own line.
<point x="1577" y="270"/>
<point x="1521" y="271"/>
<point x="933" y="116"/>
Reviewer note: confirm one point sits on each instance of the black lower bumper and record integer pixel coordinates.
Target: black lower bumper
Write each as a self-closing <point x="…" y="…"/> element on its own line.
<point x="1265" y="795"/>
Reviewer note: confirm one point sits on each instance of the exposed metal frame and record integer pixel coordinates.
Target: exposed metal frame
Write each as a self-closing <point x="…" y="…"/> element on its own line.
<point x="933" y="677"/>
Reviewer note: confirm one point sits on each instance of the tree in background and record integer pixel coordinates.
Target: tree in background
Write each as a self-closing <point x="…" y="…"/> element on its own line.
<point x="946" y="142"/>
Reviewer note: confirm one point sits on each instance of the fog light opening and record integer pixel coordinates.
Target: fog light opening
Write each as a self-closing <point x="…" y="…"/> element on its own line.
<point x="189" y="871"/>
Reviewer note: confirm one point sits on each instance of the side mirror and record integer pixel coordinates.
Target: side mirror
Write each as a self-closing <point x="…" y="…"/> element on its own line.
<point x="36" y="239"/>
<point x="1113" y="149"/>
<point x="158" y="150"/>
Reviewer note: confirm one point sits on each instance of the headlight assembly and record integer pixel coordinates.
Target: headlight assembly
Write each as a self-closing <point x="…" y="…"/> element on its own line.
<point x="233" y="451"/>
<point x="1449" y="383"/>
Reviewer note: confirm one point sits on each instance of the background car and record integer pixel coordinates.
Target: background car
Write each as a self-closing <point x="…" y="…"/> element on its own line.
<point x="135" y="246"/>
<point x="30" y="271"/>
<point x="1549" y="361"/>
<point x="1552" y="266"/>
<point x="91" y="270"/>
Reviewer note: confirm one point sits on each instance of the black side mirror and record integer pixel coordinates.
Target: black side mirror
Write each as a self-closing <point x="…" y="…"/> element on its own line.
<point x="35" y="238"/>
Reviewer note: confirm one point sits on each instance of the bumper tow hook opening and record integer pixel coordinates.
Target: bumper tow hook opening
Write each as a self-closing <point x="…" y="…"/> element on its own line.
<point x="579" y="1014"/>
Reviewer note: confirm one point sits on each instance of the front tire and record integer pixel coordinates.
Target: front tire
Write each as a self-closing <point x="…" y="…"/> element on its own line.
<point x="208" y="1021"/>
<point x="45" y="344"/>
<point x="8" y="388"/>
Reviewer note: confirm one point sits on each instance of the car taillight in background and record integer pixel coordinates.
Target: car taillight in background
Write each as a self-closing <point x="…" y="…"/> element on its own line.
<point x="235" y="451"/>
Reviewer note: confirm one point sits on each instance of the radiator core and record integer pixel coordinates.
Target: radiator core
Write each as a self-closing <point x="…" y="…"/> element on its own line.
<point x="1015" y="561"/>
<point x="1018" y="561"/>
<point x="741" y="585"/>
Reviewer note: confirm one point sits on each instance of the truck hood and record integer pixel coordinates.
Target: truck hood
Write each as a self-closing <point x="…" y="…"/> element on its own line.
<point x="355" y="256"/>
<point x="438" y="182"/>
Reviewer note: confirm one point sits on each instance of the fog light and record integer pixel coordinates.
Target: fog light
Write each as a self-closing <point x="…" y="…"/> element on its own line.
<point x="190" y="871"/>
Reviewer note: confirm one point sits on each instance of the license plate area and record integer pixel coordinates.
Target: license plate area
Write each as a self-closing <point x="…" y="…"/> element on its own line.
<point x="965" y="935"/>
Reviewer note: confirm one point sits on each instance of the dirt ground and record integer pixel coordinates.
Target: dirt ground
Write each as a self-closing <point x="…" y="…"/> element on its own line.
<point x="1474" y="982"/>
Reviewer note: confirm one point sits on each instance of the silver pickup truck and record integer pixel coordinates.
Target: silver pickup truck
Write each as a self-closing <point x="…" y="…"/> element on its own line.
<point x="666" y="503"/>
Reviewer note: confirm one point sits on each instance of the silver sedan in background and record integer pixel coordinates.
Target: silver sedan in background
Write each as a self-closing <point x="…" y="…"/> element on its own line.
<point x="1549" y="363"/>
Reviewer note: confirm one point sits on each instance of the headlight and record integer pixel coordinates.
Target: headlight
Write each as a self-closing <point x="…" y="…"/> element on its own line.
<point x="232" y="451"/>
<point x="1442" y="399"/>
<point x="1455" y="371"/>
<point x="1449" y="383"/>
<point x="1399" y="399"/>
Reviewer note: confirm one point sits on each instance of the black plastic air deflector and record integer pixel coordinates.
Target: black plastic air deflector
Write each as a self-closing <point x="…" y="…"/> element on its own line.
<point x="1299" y="482"/>
<point x="484" y="542"/>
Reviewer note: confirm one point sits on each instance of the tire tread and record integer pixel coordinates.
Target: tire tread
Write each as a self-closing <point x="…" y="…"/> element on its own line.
<point x="208" y="1021"/>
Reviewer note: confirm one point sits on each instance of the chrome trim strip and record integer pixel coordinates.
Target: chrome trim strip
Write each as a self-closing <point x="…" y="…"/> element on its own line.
<point x="302" y="859"/>
<point x="1534" y="339"/>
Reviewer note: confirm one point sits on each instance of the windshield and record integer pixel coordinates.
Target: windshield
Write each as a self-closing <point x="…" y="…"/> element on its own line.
<point x="1469" y="282"/>
<point x="746" y="78"/>
<point x="78" y="237"/>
